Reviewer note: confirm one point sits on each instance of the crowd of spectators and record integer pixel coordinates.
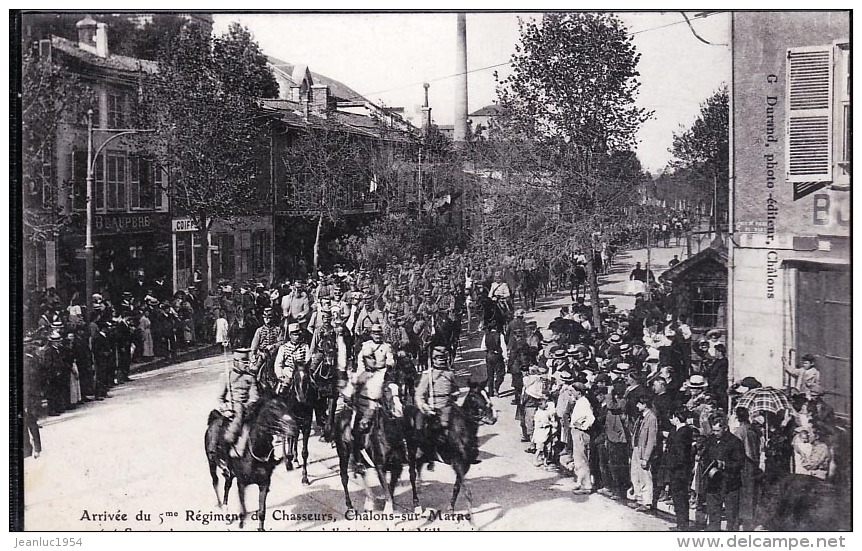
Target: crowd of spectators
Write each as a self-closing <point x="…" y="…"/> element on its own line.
<point x="637" y="407"/>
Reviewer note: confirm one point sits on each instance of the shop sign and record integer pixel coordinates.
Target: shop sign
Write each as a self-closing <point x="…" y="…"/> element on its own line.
<point x="124" y="223"/>
<point x="183" y="225"/>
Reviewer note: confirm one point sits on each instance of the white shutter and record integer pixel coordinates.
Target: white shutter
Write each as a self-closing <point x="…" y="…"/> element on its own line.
<point x="809" y="114"/>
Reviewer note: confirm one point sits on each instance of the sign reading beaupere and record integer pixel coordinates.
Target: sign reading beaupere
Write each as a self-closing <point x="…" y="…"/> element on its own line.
<point x="120" y="223"/>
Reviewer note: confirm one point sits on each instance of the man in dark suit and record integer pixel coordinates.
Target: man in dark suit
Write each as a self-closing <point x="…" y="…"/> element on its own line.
<point x="723" y="458"/>
<point x="679" y="464"/>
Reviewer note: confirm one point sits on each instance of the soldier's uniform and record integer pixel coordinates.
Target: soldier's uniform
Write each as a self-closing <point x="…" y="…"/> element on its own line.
<point x="290" y="354"/>
<point x="239" y="392"/>
<point x="373" y="360"/>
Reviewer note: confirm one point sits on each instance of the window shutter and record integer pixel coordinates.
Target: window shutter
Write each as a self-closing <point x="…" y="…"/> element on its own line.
<point x="809" y="114"/>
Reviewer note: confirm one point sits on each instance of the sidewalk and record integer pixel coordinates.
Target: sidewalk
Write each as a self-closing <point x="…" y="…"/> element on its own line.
<point x="195" y="352"/>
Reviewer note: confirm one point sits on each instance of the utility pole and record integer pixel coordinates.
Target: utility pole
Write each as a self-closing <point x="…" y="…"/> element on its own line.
<point x="92" y="157"/>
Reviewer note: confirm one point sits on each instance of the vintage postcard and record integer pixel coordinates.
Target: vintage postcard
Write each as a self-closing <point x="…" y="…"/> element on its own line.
<point x="432" y="271"/>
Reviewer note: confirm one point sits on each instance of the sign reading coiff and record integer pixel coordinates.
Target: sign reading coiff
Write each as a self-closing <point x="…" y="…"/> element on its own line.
<point x="179" y="225"/>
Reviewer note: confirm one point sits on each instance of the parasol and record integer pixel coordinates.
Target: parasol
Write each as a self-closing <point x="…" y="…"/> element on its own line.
<point x="759" y="400"/>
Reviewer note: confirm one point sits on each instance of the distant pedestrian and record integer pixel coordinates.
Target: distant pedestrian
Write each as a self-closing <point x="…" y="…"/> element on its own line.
<point x="221" y="329"/>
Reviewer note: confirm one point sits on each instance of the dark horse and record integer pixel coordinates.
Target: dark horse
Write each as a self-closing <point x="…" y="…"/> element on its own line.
<point x="494" y="314"/>
<point x="269" y="417"/>
<point x="578" y="281"/>
<point x="530" y="288"/>
<point x="459" y="449"/>
<point x="302" y="399"/>
<point x="383" y="448"/>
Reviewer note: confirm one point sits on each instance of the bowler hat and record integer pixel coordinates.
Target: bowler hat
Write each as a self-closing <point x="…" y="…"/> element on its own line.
<point x="750" y="382"/>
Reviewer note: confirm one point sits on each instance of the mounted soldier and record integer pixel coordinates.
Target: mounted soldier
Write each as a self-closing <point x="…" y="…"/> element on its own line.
<point x="374" y="358"/>
<point x="267" y="339"/>
<point x="435" y="397"/>
<point x="238" y="393"/>
<point x="292" y="354"/>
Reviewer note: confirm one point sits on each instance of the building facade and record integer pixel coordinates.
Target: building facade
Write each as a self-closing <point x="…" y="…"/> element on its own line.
<point x="131" y="221"/>
<point x="789" y="289"/>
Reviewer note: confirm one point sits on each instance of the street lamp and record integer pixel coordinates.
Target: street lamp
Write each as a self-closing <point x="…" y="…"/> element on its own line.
<point x="91" y="166"/>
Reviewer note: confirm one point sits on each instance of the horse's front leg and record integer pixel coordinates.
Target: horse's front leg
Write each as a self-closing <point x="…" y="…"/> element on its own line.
<point x="228" y="482"/>
<point x="305" y="435"/>
<point x="289" y="447"/>
<point x="459" y="479"/>
<point x="240" y="487"/>
<point x="387" y="488"/>
<point x="343" y="465"/>
<point x="261" y="505"/>
<point x="413" y="469"/>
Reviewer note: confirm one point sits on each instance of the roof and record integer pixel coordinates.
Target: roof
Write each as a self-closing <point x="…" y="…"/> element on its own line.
<point x="492" y="110"/>
<point x="716" y="252"/>
<point x="339" y="90"/>
<point x="291" y="113"/>
<point x="112" y="61"/>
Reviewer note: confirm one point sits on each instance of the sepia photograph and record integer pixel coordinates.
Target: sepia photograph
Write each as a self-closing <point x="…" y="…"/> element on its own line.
<point x="441" y="270"/>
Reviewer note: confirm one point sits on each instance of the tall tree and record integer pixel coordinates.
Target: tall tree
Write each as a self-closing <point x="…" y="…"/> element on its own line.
<point x="574" y="77"/>
<point x="322" y="168"/>
<point x="702" y="155"/>
<point x="51" y="96"/>
<point x="567" y="128"/>
<point x="208" y="126"/>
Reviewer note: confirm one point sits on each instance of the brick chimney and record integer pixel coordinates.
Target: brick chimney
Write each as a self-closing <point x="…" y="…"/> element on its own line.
<point x="92" y="36"/>
<point x="319" y="99"/>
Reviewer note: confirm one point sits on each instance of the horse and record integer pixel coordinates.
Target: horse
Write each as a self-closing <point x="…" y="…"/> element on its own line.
<point x="382" y="448"/>
<point x="267" y="418"/>
<point x="578" y="281"/>
<point x="494" y="314"/>
<point x="302" y="398"/>
<point x="459" y="448"/>
<point x="529" y="288"/>
<point x="324" y="379"/>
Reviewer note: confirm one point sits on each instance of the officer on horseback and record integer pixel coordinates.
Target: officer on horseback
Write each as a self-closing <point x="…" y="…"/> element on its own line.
<point x="374" y="358"/>
<point x="435" y="397"/>
<point x="238" y="394"/>
<point x="291" y="354"/>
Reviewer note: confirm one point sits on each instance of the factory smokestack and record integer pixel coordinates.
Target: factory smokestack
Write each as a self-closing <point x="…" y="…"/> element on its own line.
<point x="460" y="134"/>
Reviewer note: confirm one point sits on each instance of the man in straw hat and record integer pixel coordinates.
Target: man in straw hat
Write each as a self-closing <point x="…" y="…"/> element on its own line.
<point x="239" y="392"/>
<point x="582" y="418"/>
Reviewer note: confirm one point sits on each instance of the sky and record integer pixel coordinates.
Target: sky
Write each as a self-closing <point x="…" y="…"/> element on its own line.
<point x="387" y="57"/>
